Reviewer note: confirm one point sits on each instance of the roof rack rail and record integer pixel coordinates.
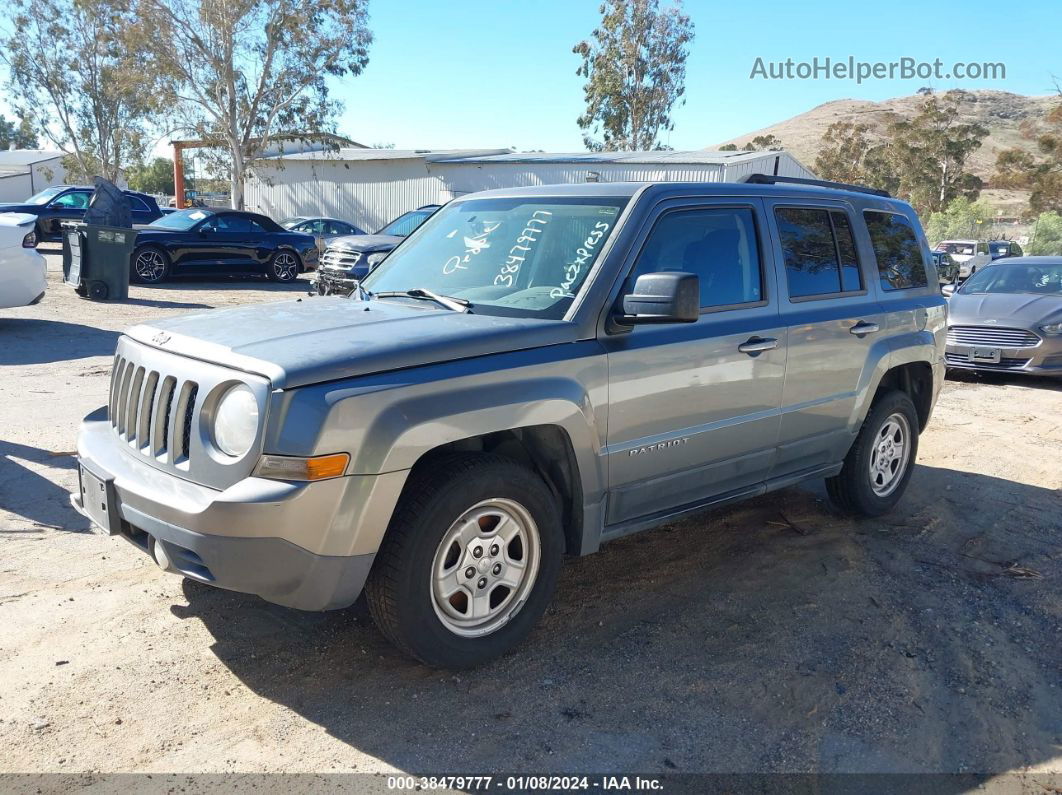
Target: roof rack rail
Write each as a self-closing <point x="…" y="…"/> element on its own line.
<point x="769" y="179"/>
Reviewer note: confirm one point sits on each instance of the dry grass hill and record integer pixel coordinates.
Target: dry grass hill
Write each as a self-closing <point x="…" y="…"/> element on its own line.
<point x="1000" y="111"/>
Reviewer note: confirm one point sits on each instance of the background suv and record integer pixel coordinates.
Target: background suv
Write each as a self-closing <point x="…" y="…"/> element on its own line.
<point x="61" y="203"/>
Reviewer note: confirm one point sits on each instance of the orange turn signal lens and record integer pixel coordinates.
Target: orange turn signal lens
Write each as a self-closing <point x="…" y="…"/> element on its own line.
<point x="320" y="467"/>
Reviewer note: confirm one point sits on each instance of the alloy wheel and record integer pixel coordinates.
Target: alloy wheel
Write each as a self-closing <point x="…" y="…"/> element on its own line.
<point x="285" y="266"/>
<point x="150" y="265"/>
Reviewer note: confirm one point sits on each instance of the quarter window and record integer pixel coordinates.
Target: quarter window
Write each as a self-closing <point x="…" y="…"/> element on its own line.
<point x="820" y="253"/>
<point x="719" y="245"/>
<point x="138" y="204"/>
<point x="897" y="250"/>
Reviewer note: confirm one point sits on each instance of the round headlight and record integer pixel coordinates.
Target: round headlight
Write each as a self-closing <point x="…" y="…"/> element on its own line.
<point x="236" y="421"/>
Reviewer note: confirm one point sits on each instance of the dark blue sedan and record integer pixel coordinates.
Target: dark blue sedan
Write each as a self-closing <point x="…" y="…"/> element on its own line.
<point x="206" y="241"/>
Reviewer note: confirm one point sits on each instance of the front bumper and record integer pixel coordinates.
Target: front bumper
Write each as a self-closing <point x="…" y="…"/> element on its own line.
<point x="329" y="281"/>
<point x="1043" y="359"/>
<point x="303" y="545"/>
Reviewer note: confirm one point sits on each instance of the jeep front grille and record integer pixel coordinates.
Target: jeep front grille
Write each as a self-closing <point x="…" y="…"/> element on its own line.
<point x="156" y="405"/>
<point x="992" y="337"/>
<point x="143" y="412"/>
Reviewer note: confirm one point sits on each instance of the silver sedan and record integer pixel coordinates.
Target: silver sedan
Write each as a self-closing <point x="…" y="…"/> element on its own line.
<point x="1008" y="318"/>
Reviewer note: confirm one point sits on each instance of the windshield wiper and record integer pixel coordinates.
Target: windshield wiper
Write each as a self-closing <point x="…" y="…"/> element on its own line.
<point x="449" y="302"/>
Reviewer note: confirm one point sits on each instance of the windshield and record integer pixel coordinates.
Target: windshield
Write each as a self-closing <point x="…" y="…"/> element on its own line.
<point x="962" y="249"/>
<point x="526" y="257"/>
<point x="1036" y="279"/>
<point x="287" y="223"/>
<point x="44" y="196"/>
<point x="180" y="221"/>
<point x="404" y="224"/>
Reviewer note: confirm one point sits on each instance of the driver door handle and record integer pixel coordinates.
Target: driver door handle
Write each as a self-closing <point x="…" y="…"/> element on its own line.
<point x="862" y="327"/>
<point x="756" y="345"/>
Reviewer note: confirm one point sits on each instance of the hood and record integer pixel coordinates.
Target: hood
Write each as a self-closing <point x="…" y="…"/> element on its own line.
<point x="365" y="243"/>
<point x="32" y="209"/>
<point x="307" y="341"/>
<point x="1015" y="310"/>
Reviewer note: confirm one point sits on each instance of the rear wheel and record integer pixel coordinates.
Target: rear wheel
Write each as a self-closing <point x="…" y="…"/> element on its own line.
<point x="149" y="265"/>
<point x="878" y="467"/>
<point x="283" y="267"/>
<point x="469" y="562"/>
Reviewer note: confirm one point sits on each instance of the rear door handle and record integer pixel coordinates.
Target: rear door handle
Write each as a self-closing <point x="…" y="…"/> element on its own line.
<point x="862" y="327"/>
<point x="756" y="345"/>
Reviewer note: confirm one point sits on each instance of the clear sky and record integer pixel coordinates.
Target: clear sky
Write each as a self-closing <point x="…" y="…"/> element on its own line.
<point x="499" y="73"/>
<point x="472" y="73"/>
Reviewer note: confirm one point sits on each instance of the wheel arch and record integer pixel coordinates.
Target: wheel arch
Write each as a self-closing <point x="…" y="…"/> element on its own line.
<point x="914" y="378"/>
<point x="545" y="449"/>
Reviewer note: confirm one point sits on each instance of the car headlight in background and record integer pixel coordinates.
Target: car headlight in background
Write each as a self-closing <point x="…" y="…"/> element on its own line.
<point x="375" y="259"/>
<point x="1052" y="328"/>
<point x="236" y="421"/>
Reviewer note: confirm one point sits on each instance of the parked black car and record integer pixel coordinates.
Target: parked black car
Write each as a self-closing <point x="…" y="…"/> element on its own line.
<point x="214" y="241"/>
<point x="348" y="259"/>
<point x="61" y="203"/>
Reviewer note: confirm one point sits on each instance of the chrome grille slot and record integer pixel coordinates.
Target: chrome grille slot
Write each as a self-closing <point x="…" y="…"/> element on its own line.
<point x="160" y="426"/>
<point x="181" y="422"/>
<point x="132" y="411"/>
<point x="147" y="405"/>
<point x="116" y="382"/>
<point x="992" y="337"/>
<point x="123" y="397"/>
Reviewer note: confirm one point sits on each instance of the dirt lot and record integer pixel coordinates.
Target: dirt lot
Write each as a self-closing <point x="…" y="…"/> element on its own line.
<point x="773" y="636"/>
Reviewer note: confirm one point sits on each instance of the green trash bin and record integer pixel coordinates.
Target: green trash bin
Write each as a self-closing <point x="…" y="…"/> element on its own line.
<point x="96" y="260"/>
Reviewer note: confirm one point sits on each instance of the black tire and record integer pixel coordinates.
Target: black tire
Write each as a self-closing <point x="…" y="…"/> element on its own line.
<point x="141" y="272"/>
<point x="284" y="267"/>
<point x="854" y="489"/>
<point x="401" y="589"/>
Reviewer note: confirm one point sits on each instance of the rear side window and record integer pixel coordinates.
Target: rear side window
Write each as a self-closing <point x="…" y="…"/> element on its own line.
<point x="900" y="263"/>
<point x="136" y="203"/>
<point x="820" y="253"/>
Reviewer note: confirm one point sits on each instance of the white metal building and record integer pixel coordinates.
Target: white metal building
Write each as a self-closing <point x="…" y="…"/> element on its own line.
<point x="369" y="187"/>
<point x="24" y="172"/>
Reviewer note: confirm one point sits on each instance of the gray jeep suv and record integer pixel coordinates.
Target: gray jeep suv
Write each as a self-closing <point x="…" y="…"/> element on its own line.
<point x="530" y="374"/>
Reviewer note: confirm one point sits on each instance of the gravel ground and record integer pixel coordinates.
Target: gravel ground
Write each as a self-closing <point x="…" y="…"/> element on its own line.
<point x="772" y="636"/>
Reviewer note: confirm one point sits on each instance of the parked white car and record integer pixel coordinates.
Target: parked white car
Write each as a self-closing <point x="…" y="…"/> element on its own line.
<point x="971" y="255"/>
<point x="23" y="272"/>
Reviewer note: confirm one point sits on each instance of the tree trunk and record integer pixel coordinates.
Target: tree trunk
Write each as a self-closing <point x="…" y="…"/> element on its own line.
<point x="236" y="179"/>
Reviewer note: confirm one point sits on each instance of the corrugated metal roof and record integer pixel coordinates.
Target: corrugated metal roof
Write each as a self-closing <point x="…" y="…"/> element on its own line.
<point x="347" y="154"/>
<point x="693" y="157"/>
<point x="15" y="158"/>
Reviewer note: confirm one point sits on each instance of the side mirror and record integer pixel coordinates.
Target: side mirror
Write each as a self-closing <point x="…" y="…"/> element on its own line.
<point x="663" y="297"/>
<point x="947" y="290"/>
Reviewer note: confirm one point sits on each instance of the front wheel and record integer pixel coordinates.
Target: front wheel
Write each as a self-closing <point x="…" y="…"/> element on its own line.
<point x="469" y="562"/>
<point x="878" y="467"/>
<point x="283" y="267"/>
